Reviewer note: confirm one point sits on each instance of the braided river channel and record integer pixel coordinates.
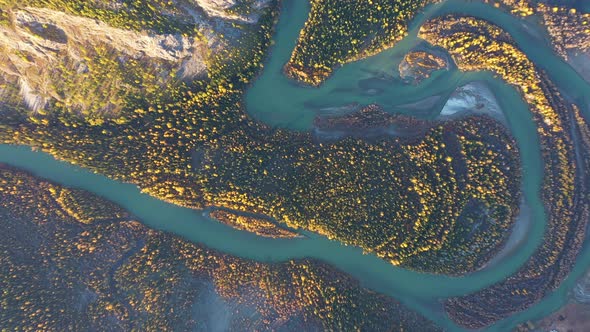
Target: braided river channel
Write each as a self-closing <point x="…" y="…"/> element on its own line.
<point x="280" y="102"/>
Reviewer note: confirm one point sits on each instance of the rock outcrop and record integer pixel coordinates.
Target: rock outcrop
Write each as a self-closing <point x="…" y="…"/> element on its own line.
<point x="90" y="66"/>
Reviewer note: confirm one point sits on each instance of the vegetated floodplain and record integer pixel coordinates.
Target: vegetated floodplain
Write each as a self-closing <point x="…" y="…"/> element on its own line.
<point x="409" y="200"/>
<point x="564" y="24"/>
<point x="99" y="269"/>
<point x="476" y="44"/>
<point x="338" y="32"/>
<point x="559" y="261"/>
<point x="415" y="201"/>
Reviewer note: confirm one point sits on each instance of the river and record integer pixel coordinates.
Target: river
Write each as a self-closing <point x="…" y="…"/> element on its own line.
<point x="277" y="101"/>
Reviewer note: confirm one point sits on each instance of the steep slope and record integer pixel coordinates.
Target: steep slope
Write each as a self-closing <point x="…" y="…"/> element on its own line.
<point x="90" y="59"/>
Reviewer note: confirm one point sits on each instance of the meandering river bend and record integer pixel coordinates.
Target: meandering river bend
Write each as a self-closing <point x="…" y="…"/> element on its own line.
<point x="277" y="101"/>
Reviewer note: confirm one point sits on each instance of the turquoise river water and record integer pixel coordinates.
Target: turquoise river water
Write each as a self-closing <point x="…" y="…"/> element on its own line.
<point x="277" y="101"/>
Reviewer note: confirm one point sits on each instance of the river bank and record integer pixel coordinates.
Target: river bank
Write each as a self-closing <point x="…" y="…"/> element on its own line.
<point x="517" y="237"/>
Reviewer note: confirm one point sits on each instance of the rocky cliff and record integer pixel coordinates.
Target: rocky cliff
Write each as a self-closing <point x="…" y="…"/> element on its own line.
<point x="89" y="57"/>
